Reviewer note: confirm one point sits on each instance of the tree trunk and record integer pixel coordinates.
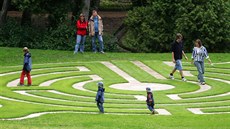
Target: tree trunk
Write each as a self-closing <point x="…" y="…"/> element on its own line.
<point x="26" y="17"/>
<point x="85" y="9"/>
<point x="119" y="34"/>
<point x="3" y="12"/>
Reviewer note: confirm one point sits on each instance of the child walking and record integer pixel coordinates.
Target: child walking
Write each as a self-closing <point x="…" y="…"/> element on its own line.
<point x="100" y="96"/>
<point x="150" y="101"/>
<point x="27" y="66"/>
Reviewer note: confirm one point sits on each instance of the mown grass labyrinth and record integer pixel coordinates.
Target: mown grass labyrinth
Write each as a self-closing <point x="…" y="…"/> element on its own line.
<point x="71" y="87"/>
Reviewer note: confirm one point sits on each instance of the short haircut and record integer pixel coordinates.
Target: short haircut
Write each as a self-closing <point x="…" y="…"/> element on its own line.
<point x="25" y="49"/>
<point x="94" y="10"/>
<point x="179" y="35"/>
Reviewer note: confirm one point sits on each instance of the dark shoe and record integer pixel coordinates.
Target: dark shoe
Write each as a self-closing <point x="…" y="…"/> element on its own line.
<point x="29" y="85"/>
<point x="20" y="84"/>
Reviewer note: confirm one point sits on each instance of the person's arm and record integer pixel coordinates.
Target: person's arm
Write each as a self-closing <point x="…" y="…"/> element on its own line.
<point x="173" y="50"/>
<point x="184" y="55"/>
<point x="81" y="26"/>
<point x="193" y="55"/>
<point x="173" y="59"/>
<point x="102" y="25"/>
<point x="206" y="55"/>
<point x="26" y="61"/>
<point x="98" y="95"/>
<point x="89" y="28"/>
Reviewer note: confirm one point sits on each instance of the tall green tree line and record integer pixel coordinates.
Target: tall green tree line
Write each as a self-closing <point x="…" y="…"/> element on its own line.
<point x="153" y="28"/>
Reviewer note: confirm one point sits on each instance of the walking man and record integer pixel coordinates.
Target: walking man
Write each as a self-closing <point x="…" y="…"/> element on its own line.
<point x="177" y="52"/>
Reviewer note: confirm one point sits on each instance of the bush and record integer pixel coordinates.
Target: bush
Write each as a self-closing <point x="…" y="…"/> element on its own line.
<point x="153" y="28"/>
<point x="60" y="38"/>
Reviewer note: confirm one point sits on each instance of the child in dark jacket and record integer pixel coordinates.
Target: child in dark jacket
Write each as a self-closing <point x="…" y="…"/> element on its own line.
<point x="100" y="96"/>
<point x="150" y="100"/>
<point x="27" y="66"/>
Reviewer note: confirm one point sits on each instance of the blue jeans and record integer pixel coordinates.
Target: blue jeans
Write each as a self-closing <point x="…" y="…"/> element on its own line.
<point x="100" y="39"/>
<point x="178" y="65"/>
<point x="80" y="42"/>
<point x="100" y="107"/>
<point x="200" y="68"/>
<point x="150" y="107"/>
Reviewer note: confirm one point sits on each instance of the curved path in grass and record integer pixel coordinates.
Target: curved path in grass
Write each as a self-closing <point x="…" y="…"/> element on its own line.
<point x="131" y="81"/>
<point x="34" y="115"/>
<point x="16" y="82"/>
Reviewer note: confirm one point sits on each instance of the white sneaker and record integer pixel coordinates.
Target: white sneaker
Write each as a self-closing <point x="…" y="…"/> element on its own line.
<point x="74" y="52"/>
<point x="202" y="83"/>
<point x="184" y="79"/>
<point x="102" y="52"/>
<point x="171" y="77"/>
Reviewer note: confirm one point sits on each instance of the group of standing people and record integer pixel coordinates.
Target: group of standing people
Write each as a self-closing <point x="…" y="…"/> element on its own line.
<point x="95" y="28"/>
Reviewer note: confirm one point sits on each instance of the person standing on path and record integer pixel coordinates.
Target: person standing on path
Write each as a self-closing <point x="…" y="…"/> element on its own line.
<point x="100" y="97"/>
<point x="27" y="66"/>
<point x="198" y="55"/>
<point x="81" y="26"/>
<point x="177" y="52"/>
<point x="96" y="31"/>
<point x="150" y="101"/>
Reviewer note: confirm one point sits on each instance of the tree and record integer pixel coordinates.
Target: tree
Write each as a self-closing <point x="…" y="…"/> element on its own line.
<point x="86" y="8"/>
<point x="138" y="3"/>
<point x="209" y="21"/>
<point x="153" y="28"/>
<point x="3" y="12"/>
<point x="122" y="30"/>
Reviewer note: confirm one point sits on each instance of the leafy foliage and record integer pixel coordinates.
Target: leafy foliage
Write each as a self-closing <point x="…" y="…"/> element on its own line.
<point x="153" y="28"/>
<point x="15" y="35"/>
<point x="61" y="37"/>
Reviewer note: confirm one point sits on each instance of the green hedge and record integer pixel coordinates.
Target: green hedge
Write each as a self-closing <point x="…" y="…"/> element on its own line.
<point x="60" y="38"/>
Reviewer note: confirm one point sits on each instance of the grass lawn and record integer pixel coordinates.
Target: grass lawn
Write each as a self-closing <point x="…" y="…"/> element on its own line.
<point x="72" y="107"/>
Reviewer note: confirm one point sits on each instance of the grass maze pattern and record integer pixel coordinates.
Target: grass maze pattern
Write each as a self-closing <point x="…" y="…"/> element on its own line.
<point x="71" y="87"/>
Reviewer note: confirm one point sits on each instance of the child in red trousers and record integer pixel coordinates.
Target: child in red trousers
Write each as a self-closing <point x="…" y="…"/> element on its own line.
<point x="27" y="66"/>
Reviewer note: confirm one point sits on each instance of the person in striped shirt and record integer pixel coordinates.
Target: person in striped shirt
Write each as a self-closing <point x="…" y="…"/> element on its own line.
<point x="198" y="55"/>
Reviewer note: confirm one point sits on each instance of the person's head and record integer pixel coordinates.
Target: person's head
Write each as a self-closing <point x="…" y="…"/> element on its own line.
<point x="198" y="43"/>
<point x="148" y="89"/>
<point x="82" y="17"/>
<point x="25" y="50"/>
<point x="100" y="84"/>
<point x="179" y="37"/>
<point x="94" y="12"/>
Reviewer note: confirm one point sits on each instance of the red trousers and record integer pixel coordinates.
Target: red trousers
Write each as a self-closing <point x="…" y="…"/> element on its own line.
<point x="28" y="77"/>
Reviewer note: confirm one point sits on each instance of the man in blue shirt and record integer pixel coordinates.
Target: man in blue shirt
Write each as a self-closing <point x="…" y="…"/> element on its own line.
<point x="96" y="31"/>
